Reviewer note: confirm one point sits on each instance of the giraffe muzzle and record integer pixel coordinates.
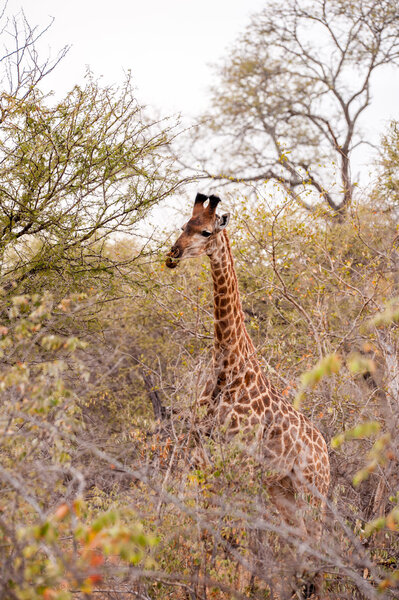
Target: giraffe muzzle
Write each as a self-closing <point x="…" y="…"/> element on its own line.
<point x="172" y="258"/>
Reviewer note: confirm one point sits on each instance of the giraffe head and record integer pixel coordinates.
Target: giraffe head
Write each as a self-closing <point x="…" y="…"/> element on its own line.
<point x="199" y="233"/>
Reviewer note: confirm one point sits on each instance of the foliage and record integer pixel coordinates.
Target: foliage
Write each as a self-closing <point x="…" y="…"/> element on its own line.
<point x="82" y="424"/>
<point x="389" y="179"/>
<point x="107" y="489"/>
<point x="48" y="547"/>
<point x="74" y="173"/>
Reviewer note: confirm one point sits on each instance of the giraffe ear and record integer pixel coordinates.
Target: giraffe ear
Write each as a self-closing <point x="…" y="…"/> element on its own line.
<point x="223" y="222"/>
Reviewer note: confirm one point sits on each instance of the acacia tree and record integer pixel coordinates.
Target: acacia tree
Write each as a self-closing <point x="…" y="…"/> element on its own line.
<point x="72" y="172"/>
<point x="290" y="96"/>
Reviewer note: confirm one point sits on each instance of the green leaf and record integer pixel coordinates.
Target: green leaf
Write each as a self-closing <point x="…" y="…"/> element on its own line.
<point x="360" y="431"/>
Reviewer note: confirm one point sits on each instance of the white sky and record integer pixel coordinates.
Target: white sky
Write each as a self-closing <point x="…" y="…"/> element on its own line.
<point x="167" y="44"/>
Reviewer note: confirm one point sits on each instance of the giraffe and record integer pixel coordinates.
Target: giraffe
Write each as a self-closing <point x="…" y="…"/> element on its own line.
<point x="237" y="397"/>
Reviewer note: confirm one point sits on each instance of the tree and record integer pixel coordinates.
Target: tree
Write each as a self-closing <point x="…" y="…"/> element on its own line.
<point x="291" y="94"/>
<point x="72" y="172"/>
<point x="21" y="67"/>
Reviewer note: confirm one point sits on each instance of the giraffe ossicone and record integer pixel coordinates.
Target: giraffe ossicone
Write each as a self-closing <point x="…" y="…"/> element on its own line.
<point x="238" y="398"/>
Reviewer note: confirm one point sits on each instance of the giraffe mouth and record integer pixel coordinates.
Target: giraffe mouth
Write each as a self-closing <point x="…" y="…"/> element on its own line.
<point x="171" y="262"/>
<point x="172" y="258"/>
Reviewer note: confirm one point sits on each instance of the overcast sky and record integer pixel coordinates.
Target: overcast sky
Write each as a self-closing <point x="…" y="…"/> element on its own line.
<point x="168" y="45"/>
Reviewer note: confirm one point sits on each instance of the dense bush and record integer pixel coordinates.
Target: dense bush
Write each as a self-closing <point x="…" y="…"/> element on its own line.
<point x="104" y="353"/>
<point x="99" y="399"/>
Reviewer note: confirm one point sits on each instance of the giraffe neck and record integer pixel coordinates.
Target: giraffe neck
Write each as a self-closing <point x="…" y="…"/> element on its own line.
<point x="230" y="333"/>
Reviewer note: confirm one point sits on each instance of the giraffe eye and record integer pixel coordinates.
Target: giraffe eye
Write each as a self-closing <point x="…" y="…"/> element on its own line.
<point x="206" y="233"/>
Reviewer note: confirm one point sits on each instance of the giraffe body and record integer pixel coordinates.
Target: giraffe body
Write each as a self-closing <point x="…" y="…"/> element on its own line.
<point x="238" y="398"/>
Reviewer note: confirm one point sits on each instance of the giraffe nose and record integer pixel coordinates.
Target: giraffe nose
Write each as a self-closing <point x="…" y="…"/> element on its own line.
<point x="175" y="252"/>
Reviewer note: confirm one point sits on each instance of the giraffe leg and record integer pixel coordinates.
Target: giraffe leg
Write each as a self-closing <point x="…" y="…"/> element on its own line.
<point x="312" y="584"/>
<point x="305" y="487"/>
<point x="290" y="507"/>
<point x="287" y="495"/>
